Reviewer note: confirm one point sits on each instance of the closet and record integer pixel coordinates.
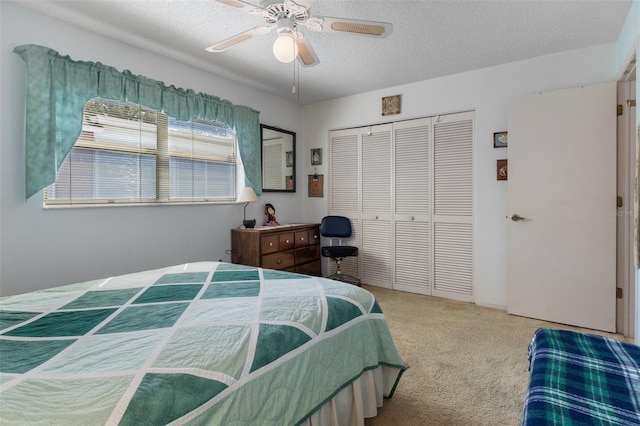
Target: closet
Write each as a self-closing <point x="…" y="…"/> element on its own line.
<point x="407" y="187"/>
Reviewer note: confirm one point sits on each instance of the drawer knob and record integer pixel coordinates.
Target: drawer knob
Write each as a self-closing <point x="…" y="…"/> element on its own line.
<point x="270" y="244"/>
<point x="286" y="241"/>
<point x="376" y="216"/>
<point x="412" y="217"/>
<point x="301" y="238"/>
<point x="315" y="237"/>
<point x="279" y="261"/>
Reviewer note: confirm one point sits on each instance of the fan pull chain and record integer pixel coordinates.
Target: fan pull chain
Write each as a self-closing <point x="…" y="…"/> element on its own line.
<point x="294" y="89"/>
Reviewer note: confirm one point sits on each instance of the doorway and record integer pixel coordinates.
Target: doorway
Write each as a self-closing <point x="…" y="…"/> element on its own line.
<point x="626" y="210"/>
<point x="561" y="203"/>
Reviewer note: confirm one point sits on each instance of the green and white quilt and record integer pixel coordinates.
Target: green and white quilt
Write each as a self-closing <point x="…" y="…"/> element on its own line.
<point x="201" y="343"/>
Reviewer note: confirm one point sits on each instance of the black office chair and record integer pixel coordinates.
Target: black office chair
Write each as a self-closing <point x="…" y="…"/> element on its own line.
<point x="338" y="227"/>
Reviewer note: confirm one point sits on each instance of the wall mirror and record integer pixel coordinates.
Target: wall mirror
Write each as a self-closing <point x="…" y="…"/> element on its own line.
<point x="278" y="159"/>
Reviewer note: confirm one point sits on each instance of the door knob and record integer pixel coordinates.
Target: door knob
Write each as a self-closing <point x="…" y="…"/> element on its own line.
<point x="516" y="217"/>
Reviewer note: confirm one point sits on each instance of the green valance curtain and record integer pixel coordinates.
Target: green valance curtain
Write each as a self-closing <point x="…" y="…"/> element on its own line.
<point x="58" y="87"/>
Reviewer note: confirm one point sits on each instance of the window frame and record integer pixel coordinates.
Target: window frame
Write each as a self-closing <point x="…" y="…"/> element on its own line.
<point x="162" y="154"/>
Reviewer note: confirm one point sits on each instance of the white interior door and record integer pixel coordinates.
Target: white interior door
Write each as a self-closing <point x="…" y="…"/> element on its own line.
<point x="343" y="192"/>
<point x="453" y="206"/>
<point x="412" y="201"/>
<point x="375" y="252"/>
<point x="562" y="181"/>
<point x="625" y="305"/>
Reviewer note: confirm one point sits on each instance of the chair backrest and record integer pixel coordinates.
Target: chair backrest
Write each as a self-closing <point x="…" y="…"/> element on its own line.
<point x="335" y="227"/>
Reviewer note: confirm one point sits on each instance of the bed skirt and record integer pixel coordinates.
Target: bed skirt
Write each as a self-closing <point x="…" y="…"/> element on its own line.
<point x="358" y="400"/>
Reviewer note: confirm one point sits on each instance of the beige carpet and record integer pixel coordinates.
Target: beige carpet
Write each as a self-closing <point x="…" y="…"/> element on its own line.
<point x="467" y="364"/>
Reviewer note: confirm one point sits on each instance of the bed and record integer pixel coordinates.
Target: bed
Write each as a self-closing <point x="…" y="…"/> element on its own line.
<point x="582" y="379"/>
<point x="199" y="343"/>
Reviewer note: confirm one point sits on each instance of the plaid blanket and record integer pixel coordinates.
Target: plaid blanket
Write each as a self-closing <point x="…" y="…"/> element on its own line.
<point x="582" y="379"/>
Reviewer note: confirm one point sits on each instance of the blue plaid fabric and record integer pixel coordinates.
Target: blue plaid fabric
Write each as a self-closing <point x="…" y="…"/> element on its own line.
<point x="581" y="379"/>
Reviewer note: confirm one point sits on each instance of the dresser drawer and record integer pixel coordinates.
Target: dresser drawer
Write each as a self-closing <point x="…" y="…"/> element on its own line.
<point x="277" y="242"/>
<point x="269" y="244"/>
<point x="286" y="240"/>
<point x="307" y="254"/>
<point x="278" y="260"/>
<point x="311" y="268"/>
<point x="314" y="236"/>
<point x="302" y="238"/>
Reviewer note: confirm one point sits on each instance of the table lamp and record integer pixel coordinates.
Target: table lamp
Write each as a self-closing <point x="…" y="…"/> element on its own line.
<point x="247" y="195"/>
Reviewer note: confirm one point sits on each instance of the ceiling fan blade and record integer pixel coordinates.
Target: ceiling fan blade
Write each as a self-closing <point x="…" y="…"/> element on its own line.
<point x="243" y="5"/>
<point x="238" y="38"/>
<point x="306" y="55"/>
<point x="354" y="26"/>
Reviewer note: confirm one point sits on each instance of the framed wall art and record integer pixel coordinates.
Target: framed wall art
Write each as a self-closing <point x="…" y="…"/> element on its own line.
<point x="316" y="185"/>
<point x="316" y="156"/>
<point x="500" y="139"/>
<point x="502" y="170"/>
<point x="391" y="105"/>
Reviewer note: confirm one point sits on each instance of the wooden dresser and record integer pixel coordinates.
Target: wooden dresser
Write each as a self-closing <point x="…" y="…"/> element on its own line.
<point x="293" y="248"/>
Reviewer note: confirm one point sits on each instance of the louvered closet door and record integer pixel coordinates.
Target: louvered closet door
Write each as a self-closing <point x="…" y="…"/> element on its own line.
<point x="344" y="181"/>
<point x="412" y="145"/>
<point x="376" y="250"/>
<point x="453" y="206"/>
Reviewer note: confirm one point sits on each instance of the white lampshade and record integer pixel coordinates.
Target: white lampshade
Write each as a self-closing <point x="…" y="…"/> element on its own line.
<point x="285" y="48"/>
<point x="247" y="195"/>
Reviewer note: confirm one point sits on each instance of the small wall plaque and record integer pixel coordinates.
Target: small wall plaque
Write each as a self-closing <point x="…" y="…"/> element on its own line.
<point x="316" y="156"/>
<point x="316" y="185"/>
<point x="391" y="105"/>
<point x="501" y="170"/>
<point x="500" y="139"/>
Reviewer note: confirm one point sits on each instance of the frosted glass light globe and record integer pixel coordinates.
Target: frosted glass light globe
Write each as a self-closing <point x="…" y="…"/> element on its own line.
<point x="285" y="48"/>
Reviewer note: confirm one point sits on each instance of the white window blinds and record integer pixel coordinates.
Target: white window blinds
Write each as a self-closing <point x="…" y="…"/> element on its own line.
<point x="131" y="154"/>
<point x="201" y="160"/>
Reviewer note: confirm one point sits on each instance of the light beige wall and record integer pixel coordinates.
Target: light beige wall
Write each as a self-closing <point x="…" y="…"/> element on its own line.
<point x="488" y="92"/>
<point x="44" y="248"/>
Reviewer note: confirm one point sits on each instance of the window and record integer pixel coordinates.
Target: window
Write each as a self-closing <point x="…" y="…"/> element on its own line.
<point x="127" y="154"/>
<point x="201" y="160"/>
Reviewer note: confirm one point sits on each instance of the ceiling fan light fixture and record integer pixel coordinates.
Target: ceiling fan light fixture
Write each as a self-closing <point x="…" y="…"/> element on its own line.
<point x="287" y="17"/>
<point x="285" y="48"/>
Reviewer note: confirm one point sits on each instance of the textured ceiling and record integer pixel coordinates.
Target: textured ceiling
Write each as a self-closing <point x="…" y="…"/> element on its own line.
<point x="430" y="38"/>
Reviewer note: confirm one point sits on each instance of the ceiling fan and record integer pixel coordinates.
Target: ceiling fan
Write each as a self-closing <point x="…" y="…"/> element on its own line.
<point x="286" y="17"/>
